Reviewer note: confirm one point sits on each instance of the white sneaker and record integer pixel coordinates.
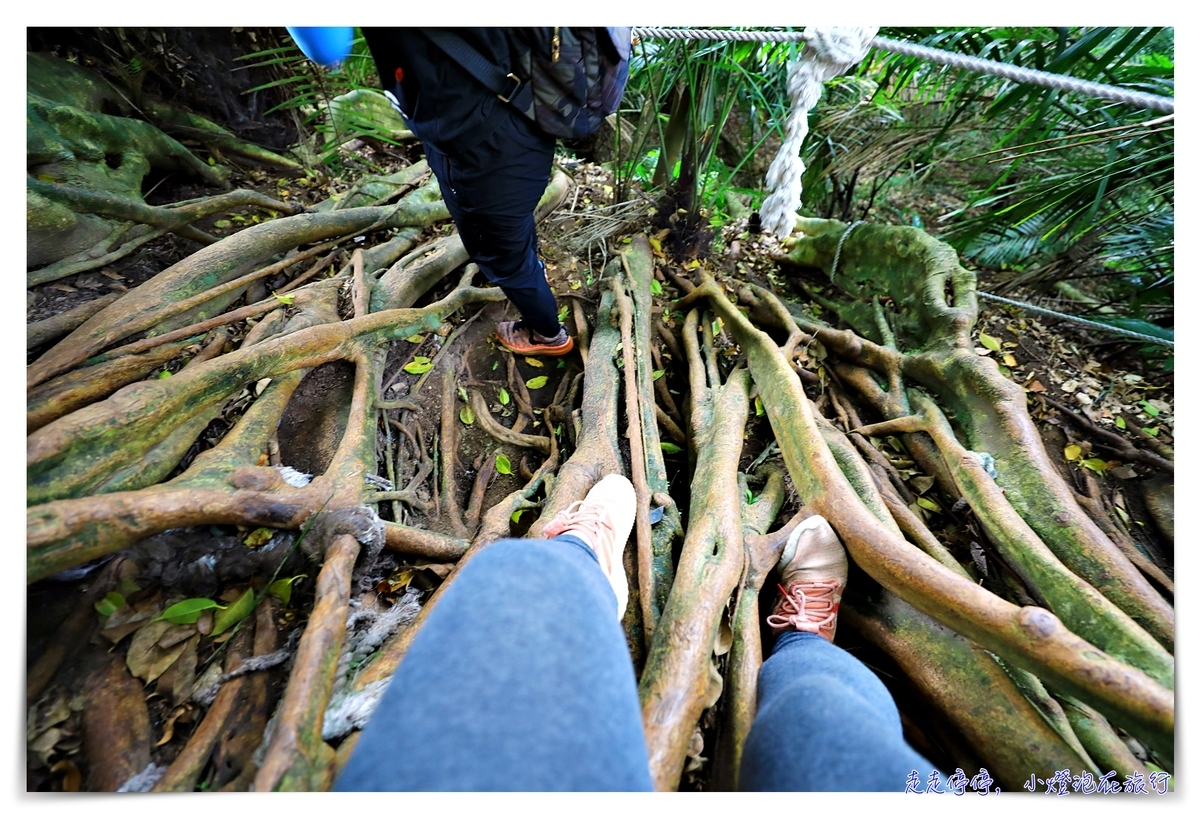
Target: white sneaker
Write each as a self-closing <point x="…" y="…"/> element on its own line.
<point x="603" y="520"/>
<point x="814" y="570"/>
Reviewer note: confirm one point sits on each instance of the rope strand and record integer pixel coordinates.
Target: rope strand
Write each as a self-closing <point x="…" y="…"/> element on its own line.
<point x="1031" y="76"/>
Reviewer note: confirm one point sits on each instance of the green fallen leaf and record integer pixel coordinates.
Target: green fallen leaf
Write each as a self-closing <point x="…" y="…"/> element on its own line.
<point x="758" y="406"/>
<point x="166" y="373"/>
<point x="259" y="536"/>
<point x="1150" y="410"/>
<point x="534" y="362"/>
<point x="466" y="415"/>
<point x="503" y="465"/>
<point x="282" y="588"/>
<point x="415" y="339"/>
<point x="926" y="503"/>
<point x="284" y="299"/>
<point x="226" y="618"/>
<point x="749" y="497"/>
<point x="537" y="383"/>
<point x="222" y="223"/>
<point x="562" y="314"/>
<point x="988" y="341"/>
<point x="1096" y="464"/>
<point x="658" y="373"/>
<point x="656" y="287"/>
<point x="112" y="600"/>
<point x="1151" y="430"/>
<point x="504" y="397"/>
<point x="670" y="448"/>
<point x="516" y="515"/>
<point x="495" y="365"/>
<point x="462" y="393"/>
<point x="188" y="611"/>
<point x="1120" y="422"/>
<point x="418" y="365"/>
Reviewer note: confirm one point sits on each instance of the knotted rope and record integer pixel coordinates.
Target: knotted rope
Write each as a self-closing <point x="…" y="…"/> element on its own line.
<point x="829" y="52"/>
<point x="1030" y="76"/>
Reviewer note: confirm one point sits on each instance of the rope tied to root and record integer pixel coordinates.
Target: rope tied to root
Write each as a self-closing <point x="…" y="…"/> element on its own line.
<point x="829" y="51"/>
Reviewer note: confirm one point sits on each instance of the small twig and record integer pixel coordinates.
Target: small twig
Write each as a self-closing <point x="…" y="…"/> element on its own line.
<point x="441" y="352"/>
<point x="504" y="435"/>
<point x="362" y="290"/>
<point x="660" y="388"/>
<point x="212" y="349"/>
<point x="581" y="327"/>
<point x="449" y="449"/>
<point x="637" y="457"/>
<point x="669" y="426"/>
<point x="1111" y="440"/>
<point x="478" y="491"/>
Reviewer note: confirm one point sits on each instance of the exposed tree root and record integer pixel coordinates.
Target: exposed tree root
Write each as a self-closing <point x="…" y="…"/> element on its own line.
<point x="113" y="459"/>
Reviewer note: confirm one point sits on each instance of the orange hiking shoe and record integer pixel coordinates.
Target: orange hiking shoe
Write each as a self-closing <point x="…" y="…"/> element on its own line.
<point x="517" y="337"/>
<point x="813" y="569"/>
<point x="603" y="520"/>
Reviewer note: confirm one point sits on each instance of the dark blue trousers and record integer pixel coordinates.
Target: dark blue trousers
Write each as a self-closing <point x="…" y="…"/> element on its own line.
<point x="491" y="189"/>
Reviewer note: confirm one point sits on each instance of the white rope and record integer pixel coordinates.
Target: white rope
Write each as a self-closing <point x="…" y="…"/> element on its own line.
<point x="830" y="51"/>
<point x="1030" y="76"/>
<point x="1077" y="320"/>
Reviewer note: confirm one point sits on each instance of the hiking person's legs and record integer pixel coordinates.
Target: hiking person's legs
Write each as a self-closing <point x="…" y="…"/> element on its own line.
<point x="491" y="190"/>
<point x="520" y="678"/>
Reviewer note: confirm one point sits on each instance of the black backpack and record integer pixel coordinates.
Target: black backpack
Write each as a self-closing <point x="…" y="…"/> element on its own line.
<point x="567" y="80"/>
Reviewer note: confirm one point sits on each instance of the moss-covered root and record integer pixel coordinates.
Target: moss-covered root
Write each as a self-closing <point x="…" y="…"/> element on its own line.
<point x="678" y="681"/>
<point x="745" y="654"/>
<point x="1081" y="608"/>
<point x="77" y="389"/>
<point x="75" y="454"/>
<point x="639" y="271"/>
<point x="967" y="687"/>
<point x="297" y="758"/>
<point x="597" y="449"/>
<point x="933" y="314"/>
<point x="171" y="292"/>
<point x="1030" y="637"/>
<point x="1102" y="743"/>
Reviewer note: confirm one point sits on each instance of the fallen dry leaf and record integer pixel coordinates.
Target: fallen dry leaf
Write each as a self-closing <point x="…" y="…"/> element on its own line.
<point x="146" y="660"/>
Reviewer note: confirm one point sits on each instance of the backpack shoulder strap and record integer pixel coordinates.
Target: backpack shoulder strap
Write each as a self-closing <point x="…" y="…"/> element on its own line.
<point x="508" y="87"/>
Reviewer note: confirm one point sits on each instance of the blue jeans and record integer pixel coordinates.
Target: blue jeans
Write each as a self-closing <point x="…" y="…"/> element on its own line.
<point x="521" y="680"/>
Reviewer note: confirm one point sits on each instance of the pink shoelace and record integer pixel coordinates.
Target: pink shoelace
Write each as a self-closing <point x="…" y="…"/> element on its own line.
<point x="808" y="606"/>
<point x="595" y="525"/>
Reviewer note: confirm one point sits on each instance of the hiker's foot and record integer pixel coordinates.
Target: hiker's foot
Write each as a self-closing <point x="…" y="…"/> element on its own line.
<point x="523" y="340"/>
<point x="603" y="520"/>
<point x="813" y="572"/>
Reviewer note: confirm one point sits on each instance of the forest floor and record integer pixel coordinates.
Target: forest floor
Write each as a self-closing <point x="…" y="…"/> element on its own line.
<point x="1112" y="384"/>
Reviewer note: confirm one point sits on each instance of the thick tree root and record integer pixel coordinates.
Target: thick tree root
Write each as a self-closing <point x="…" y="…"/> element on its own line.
<point x="676" y="684"/>
<point x="186" y="288"/>
<point x="1029" y="637"/>
<point x="968" y="688"/>
<point x="935" y="310"/>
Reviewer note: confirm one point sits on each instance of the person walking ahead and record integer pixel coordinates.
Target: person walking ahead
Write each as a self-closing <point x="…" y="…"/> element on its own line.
<point x="491" y="162"/>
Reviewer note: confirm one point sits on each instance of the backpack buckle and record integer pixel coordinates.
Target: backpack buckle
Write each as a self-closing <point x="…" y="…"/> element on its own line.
<point x="512" y="92"/>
